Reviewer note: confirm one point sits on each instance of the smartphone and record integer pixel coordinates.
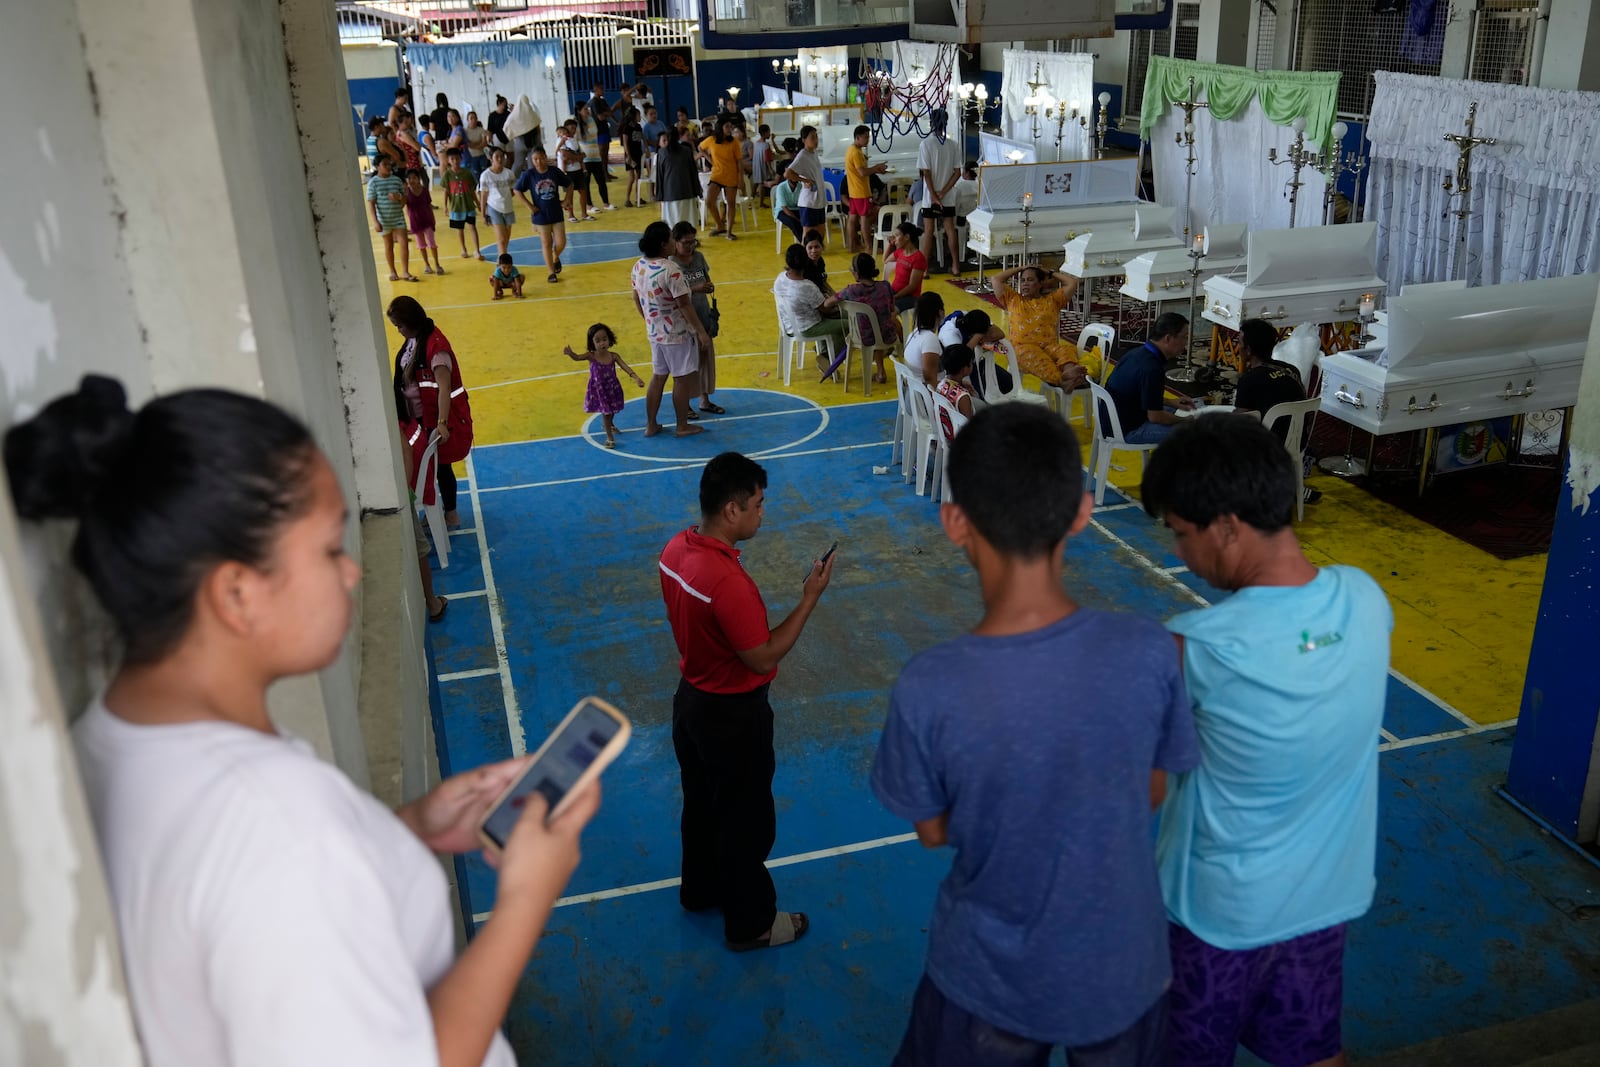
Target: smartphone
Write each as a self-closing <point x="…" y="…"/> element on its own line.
<point x="574" y="754"/>
<point x="825" y="557"/>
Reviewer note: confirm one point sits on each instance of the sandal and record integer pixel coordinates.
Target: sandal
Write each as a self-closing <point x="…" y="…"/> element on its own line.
<point x="444" y="606"/>
<point x="693" y="414"/>
<point x="412" y="278"/>
<point x="787" y="928"/>
<point x="710" y="408"/>
<point x="552" y="278"/>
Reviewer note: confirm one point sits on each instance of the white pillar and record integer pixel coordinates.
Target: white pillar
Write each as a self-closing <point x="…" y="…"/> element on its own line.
<point x="1572" y="46"/>
<point x="1224" y="32"/>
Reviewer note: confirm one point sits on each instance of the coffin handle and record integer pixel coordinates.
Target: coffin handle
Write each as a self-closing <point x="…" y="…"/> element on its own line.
<point x="1343" y="396"/>
<point x="1432" y="405"/>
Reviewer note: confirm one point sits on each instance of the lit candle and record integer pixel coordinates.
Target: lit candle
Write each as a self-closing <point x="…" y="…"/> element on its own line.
<point x="1199" y="244"/>
<point x="1027" y="199"/>
<point x="1366" y="304"/>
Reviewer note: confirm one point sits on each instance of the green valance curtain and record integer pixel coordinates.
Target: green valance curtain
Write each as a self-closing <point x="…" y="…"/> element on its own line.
<point x="1284" y="94"/>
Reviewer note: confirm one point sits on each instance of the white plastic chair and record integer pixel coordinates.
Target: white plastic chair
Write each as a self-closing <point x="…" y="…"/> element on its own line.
<point x="886" y="343"/>
<point x="916" y="431"/>
<point x="1104" y="337"/>
<point x="792" y="349"/>
<point x="1296" y="412"/>
<point x="1105" y="437"/>
<point x="990" y="381"/>
<point x="883" y="236"/>
<point x="832" y="211"/>
<point x="942" y="410"/>
<point x="433" y="514"/>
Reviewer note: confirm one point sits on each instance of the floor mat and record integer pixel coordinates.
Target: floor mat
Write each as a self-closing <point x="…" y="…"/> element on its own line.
<point x="1508" y="512"/>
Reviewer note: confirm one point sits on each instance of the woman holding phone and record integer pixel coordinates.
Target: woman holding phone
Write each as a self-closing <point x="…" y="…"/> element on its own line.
<point x="270" y="911"/>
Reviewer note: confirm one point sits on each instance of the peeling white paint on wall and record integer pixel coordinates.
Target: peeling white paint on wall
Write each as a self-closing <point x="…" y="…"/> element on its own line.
<point x="247" y="336"/>
<point x="34" y="338"/>
<point x="1583" y="475"/>
<point x="40" y="982"/>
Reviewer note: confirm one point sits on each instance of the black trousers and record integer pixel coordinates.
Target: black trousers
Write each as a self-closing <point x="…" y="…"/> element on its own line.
<point x="447" y="486"/>
<point x="725" y="757"/>
<point x="597" y="171"/>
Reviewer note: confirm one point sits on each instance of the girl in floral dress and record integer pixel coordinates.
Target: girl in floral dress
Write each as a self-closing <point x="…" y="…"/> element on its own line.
<point x="604" y="395"/>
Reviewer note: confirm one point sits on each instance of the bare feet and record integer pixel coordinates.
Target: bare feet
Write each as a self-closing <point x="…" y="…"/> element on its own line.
<point x="688" y="430"/>
<point x="653" y="429"/>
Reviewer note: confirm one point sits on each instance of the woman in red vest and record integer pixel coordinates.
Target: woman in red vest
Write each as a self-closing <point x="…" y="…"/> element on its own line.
<point x="429" y="392"/>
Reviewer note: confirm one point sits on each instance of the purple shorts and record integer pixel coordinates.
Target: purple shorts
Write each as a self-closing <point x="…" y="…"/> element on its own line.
<point x="1281" y="1001"/>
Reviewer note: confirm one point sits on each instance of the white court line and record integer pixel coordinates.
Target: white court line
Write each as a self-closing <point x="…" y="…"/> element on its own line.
<point x="463" y="531"/>
<point x="1387" y="736"/>
<point x="552" y="297"/>
<point x="464" y="596"/>
<point x="461" y="676"/>
<point x="709" y="422"/>
<point x="691" y="465"/>
<point x="1103" y="508"/>
<point x="1440" y="704"/>
<point x="575" y="373"/>
<point x="519" y="744"/>
<point x="1175" y="570"/>
<point x="1447" y="735"/>
<point x="668" y="883"/>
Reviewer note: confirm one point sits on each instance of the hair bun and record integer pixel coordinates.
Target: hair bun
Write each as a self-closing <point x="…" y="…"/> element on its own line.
<point x="57" y="459"/>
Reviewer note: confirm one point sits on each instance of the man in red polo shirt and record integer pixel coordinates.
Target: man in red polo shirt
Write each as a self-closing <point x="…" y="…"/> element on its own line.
<point x="721" y="720"/>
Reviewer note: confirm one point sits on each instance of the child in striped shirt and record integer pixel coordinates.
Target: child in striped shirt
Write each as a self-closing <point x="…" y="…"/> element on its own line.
<point x="386" y="196"/>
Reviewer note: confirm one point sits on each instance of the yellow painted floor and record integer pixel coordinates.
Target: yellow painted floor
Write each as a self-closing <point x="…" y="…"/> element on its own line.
<point x="1463" y="619"/>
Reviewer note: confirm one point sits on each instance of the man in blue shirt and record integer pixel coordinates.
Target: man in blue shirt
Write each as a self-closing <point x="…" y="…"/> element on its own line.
<point x="1138" y="385"/>
<point x="1266" y="849"/>
<point x="1036" y="746"/>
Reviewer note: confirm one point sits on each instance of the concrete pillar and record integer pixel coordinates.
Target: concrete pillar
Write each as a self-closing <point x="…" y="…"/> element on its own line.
<point x="1571" y="46"/>
<point x="65" y="290"/>
<point x="1456" y="58"/>
<point x="1225" y="29"/>
<point x="1555" y="762"/>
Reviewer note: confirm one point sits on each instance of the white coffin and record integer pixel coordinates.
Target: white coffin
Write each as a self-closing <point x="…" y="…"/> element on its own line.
<point x="1460" y="355"/>
<point x="1104" y="253"/>
<point x="1316" y="274"/>
<point x="999" y="233"/>
<point x="1164" y="275"/>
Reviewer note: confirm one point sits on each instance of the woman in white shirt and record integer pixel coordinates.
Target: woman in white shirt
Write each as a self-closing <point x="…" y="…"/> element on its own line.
<point x="923" y="348"/>
<point x="806" y="168"/>
<point x="270" y="912"/>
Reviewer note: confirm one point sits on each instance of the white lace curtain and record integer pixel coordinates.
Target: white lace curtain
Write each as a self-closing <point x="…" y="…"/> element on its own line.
<point x="510" y="69"/>
<point x="1535" y="193"/>
<point x="821" y="89"/>
<point x="1065" y="76"/>
<point x="1233" y="181"/>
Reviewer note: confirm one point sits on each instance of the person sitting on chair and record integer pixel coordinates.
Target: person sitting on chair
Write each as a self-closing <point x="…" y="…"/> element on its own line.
<point x="1033" y="319"/>
<point x="1264" y="382"/>
<point x="1138" y="384"/>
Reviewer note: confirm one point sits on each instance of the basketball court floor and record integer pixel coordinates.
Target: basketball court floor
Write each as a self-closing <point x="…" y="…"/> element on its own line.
<point x="1479" y="916"/>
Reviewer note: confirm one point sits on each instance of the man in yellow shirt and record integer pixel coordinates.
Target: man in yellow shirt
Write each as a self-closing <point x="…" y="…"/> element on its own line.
<point x="1033" y="323"/>
<point x="858" y="189"/>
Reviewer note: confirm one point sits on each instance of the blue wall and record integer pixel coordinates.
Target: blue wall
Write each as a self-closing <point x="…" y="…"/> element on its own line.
<point x="377" y="94"/>
<point x="1561" y="700"/>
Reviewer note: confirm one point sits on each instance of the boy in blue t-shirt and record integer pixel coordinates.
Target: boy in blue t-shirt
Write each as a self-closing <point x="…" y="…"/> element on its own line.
<point x="1269" y="847"/>
<point x="1036" y="745"/>
<point x="505" y="276"/>
<point x="540" y="188"/>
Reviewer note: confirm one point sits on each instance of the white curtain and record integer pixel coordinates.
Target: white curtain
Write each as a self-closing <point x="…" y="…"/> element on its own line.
<point x="511" y="68"/>
<point x="931" y="63"/>
<point x="1233" y="181"/>
<point x="1535" y="204"/>
<point x="1067" y="77"/>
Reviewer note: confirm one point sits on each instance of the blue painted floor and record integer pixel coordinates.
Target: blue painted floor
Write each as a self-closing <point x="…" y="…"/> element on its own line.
<point x="586" y="243"/>
<point x="1480" y="916"/>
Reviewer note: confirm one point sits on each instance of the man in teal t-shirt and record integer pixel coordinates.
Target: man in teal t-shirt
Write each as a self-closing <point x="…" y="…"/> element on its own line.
<point x="1267" y="848"/>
